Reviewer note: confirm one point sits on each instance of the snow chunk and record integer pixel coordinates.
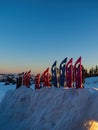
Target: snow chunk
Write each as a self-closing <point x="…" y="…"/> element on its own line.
<point x="49" y="109"/>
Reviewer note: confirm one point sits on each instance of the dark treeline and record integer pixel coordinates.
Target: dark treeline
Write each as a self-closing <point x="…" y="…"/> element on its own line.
<point x="92" y="72"/>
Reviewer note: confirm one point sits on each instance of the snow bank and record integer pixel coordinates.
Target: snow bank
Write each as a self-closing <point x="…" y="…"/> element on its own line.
<point x="91" y="82"/>
<point x="49" y="109"/>
<point x="4" y="88"/>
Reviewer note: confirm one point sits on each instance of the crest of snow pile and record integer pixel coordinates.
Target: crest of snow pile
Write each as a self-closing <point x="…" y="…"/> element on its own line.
<point x="49" y="109"/>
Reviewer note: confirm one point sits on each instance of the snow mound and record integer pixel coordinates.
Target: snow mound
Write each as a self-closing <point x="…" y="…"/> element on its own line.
<point x="49" y="109"/>
<point x="91" y="82"/>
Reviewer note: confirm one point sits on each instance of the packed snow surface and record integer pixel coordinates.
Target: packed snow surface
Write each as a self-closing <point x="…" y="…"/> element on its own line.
<point x="50" y="108"/>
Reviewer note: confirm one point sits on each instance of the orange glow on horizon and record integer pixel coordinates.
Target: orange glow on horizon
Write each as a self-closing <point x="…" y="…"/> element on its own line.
<point x="16" y="70"/>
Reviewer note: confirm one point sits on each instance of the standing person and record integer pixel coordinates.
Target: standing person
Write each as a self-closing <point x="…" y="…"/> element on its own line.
<point x="19" y="81"/>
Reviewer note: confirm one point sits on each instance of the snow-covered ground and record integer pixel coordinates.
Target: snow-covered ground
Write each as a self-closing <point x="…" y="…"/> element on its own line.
<point x="4" y="88"/>
<point x="49" y="108"/>
<point x="91" y="82"/>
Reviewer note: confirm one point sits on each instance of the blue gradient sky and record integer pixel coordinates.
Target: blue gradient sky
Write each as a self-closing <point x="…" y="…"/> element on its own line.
<point x="35" y="33"/>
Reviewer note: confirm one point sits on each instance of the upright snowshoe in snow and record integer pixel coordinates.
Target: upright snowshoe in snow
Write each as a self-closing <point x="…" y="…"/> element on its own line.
<point x="46" y="78"/>
<point x="26" y="79"/>
<point x="37" y="81"/>
<point x="69" y="73"/>
<point x="62" y="68"/>
<point x="78" y="73"/>
<point x="54" y="74"/>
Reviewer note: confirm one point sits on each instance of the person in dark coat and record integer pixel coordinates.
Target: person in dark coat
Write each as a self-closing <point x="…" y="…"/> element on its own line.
<point x="19" y="81"/>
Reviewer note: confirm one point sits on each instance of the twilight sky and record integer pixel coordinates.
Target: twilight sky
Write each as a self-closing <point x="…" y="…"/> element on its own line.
<point x="35" y="33"/>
